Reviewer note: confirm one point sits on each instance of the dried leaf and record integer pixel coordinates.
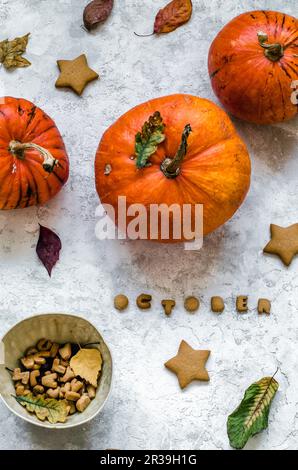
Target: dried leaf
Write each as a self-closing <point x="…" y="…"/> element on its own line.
<point x="97" y="12"/>
<point x="251" y="416"/>
<point x="11" y="52"/>
<point x="48" y="248"/>
<point x="87" y="364"/>
<point x="55" y="411"/>
<point x="175" y="14"/>
<point x="147" y="141"/>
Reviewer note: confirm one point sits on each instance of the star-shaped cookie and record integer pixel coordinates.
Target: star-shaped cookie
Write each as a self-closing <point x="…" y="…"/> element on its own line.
<point x="189" y="364"/>
<point x="75" y="74"/>
<point x="283" y="243"/>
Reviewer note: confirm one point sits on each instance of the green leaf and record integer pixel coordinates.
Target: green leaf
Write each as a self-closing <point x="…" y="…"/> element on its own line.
<point x="251" y="416"/>
<point x="11" y="52"/>
<point x="56" y="411"/>
<point x="147" y="141"/>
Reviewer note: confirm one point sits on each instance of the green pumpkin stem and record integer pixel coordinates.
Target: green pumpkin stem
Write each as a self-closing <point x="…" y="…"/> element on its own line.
<point x="273" y="52"/>
<point x="171" y="166"/>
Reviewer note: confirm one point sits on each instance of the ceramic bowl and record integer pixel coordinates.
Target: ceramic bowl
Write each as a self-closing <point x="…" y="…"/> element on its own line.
<point x="61" y="328"/>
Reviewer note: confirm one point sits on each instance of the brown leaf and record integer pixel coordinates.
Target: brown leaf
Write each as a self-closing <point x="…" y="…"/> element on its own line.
<point x="172" y="16"/>
<point x="87" y="364"/>
<point x="97" y="12"/>
<point x="11" y="52"/>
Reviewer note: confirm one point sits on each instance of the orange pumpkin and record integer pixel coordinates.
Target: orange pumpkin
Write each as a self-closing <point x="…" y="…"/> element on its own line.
<point x="215" y="171"/>
<point x="33" y="161"/>
<point x="253" y="63"/>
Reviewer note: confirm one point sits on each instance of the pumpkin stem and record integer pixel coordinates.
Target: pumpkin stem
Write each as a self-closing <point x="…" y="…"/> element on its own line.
<point x="18" y="149"/>
<point x="171" y="166"/>
<point x="273" y="52"/>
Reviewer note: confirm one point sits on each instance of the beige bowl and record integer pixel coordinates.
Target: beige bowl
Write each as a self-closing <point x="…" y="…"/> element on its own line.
<point x="61" y="328"/>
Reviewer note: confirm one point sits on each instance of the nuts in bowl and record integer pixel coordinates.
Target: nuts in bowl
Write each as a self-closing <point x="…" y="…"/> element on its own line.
<point x="59" y="380"/>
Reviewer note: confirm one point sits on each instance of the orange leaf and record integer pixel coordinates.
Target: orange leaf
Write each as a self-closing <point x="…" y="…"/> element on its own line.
<point x="172" y="16"/>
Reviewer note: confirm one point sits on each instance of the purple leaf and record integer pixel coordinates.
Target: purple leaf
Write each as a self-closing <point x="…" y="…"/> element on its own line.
<point x="48" y="248"/>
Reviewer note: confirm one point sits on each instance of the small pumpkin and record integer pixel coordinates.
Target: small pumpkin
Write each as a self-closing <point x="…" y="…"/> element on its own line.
<point x="33" y="161"/>
<point x="253" y="63"/>
<point x="209" y="165"/>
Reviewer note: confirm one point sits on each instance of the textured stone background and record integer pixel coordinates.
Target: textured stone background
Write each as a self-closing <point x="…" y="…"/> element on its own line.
<point x="147" y="408"/>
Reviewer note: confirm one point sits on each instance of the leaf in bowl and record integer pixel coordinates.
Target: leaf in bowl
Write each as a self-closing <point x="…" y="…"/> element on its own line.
<point x="45" y="408"/>
<point x="87" y="364"/>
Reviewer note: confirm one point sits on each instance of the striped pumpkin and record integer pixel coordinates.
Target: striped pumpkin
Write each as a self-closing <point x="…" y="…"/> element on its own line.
<point x="33" y="161"/>
<point x="253" y="66"/>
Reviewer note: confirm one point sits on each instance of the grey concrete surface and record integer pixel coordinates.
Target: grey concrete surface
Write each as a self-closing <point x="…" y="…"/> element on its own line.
<point x="147" y="409"/>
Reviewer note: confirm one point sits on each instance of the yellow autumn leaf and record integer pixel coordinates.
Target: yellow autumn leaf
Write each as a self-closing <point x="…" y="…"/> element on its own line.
<point x="87" y="364"/>
<point x="11" y="52"/>
<point x="55" y="411"/>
